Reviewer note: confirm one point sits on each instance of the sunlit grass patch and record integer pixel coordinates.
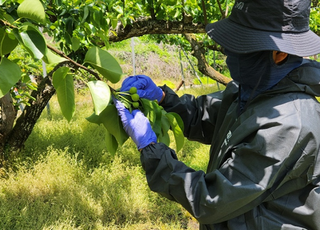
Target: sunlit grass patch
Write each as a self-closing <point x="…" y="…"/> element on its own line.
<point x="59" y="192"/>
<point x="48" y="192"/>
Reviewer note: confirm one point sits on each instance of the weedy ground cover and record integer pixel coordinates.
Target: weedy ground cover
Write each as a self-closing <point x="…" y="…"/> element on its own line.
<point x="65" y="179"/>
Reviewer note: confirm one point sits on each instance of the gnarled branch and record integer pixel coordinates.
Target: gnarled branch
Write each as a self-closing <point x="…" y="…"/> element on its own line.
<point x="149" y="26"/>
<point x="203" y="66"/>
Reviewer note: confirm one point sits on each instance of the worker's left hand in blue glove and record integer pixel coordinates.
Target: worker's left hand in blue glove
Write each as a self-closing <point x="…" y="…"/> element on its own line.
<point x="145" y="86"/>
<point x="136" y="125"/>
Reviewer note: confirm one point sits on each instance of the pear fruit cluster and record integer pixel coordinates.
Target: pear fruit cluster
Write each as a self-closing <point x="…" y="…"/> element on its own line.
<point x="130" y="99"/>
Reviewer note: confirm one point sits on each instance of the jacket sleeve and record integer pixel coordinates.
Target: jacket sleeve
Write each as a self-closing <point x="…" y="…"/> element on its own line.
<point x="198" y="114"/>
<point x="211" y="198"/>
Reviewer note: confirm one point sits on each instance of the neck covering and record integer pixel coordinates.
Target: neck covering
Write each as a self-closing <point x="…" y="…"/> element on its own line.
<point x="257" y="72"/>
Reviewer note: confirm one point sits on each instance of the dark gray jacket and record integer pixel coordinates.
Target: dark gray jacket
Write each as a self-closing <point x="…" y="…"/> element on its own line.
<point x="264" y="164"/>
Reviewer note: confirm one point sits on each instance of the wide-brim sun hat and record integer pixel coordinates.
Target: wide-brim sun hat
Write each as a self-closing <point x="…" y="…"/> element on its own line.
<point x="256" y="25"/>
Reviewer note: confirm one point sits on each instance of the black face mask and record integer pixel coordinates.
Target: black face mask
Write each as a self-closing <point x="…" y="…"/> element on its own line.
<point x="257" y="72"/>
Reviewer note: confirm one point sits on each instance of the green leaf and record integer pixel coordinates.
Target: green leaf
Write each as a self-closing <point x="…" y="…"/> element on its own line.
<point x="10" y="74"/>
<point x="165" y="126"/>
<point x="31" y="38"/>
<point x="63" y="83"/>
<point x="161" y="124"/>
<point x="59" y="75"/>
<point x="156" y="116"/>
<point x="177" y="14"/>
<point x="110" y="119"/>
<point x="52" y="58"/>
<point x="153" y="112"/>
<point x="179" y="120"/>
<point x="32" y="9"/>
<point x="85" y="14"/>
<point x="119" y="9"/>
<point x="176" y="129"/>
<point x="111" y="142"/>
<point x="97" y="15"/>
<point x="31" y="65"/>
<point x="164" y="138"/>
<point x="104" y="63"/>
<point x="114" y="22"/>
<point x="148" y="108"/>
<point x="8" y="17"/>
<point x="75" y="43"/>
<point x="101" y="95"/>
<point x="157" y="124"/>
<point x="69" y="25"/>
<point x="7" y="43"/>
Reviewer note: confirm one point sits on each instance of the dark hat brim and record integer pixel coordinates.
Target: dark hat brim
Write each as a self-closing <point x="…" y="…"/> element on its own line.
<point x="241" y="39"/>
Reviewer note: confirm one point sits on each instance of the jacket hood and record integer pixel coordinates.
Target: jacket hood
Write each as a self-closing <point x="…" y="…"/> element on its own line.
<point x="305" y="79"/>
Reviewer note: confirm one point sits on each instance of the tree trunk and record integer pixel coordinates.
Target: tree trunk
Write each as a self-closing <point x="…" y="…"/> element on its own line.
<point x="7" y="117"/>
<point x="26" y="121"/>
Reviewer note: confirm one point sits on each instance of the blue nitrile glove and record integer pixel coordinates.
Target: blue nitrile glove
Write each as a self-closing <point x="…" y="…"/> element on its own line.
<point x="136" y="125"/>
<point x="145" y="86"/>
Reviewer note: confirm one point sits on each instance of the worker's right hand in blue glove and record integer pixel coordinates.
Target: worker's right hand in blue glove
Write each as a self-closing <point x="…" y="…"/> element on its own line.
<point x="145" y="86"/>
<point x="136" y="125"/>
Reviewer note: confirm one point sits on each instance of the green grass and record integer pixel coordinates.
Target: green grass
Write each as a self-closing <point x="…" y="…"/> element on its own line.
<point x="65" y="179"/>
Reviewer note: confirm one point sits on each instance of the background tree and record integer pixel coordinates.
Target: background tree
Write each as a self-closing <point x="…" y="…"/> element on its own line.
<point x="68" y="37"/>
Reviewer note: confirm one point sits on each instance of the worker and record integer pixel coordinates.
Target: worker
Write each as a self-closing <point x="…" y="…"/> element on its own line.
<point x="264" y="128"/>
